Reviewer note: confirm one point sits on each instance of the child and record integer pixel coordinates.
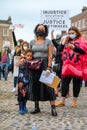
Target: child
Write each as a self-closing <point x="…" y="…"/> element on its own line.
<point x="23" y="81"/>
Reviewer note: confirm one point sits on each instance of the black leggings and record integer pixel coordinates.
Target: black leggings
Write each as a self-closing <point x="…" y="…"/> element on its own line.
<point x="65" y="86"/>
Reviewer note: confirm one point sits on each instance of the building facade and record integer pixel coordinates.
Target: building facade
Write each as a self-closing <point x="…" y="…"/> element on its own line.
<point x="5" y="32"/>
<point x="80" y="21"/>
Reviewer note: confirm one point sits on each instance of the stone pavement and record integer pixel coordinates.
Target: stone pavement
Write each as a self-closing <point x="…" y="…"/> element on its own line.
<point x="68" y="118"/>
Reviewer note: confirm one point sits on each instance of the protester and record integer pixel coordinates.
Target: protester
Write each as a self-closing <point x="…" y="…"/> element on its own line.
<point x="20" y="52"/>
<point x="4" y="61"/>
<point x="20" y="48"/>
<point x="73" y="48"/>
<point x="58" y="59"/>
<point x="24" y="47"/>
<point x="42" y="48"/>
<point x="17" y="45"/>
<point x="23" y="81"/>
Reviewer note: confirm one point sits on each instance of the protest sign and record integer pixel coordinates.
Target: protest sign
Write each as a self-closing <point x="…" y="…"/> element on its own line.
<point x="16" y="66"/>
<point x="55" y="19"/>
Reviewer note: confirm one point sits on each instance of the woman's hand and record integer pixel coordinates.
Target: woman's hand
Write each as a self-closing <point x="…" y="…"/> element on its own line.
<point x="70" y="45"/>
<point x="47" y="73"/>
<point x="13" y="28"/>
<point x="49" y="68"/>
<point x="65" y="39"/>
<point x="52" y="35"/>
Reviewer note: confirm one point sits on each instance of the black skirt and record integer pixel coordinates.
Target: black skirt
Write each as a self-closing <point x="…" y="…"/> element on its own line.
<point x="38" y="90"/>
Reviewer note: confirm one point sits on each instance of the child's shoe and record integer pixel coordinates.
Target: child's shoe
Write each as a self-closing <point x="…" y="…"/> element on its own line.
<point x="21" y="112"/>
<point x="25" y="110"/>
<point x="74" y="104"/>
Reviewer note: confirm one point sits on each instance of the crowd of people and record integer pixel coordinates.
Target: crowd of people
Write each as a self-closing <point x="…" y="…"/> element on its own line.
<point x="70" y="63"/>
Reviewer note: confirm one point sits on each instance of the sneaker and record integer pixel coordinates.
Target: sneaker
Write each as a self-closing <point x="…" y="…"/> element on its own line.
<point x="14" y="90"/>
<point x="59" y="104"/>
<point x="74" y="104"/>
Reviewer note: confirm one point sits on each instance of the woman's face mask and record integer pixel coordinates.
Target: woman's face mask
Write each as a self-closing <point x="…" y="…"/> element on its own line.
<point x="72" y="36"/>
<point x="25" y="47"/>
<point x="40" y="33"/>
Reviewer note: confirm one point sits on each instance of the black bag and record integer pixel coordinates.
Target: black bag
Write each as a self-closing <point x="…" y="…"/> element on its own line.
<point x="57" y="67"/>
<point x="35" y="64"/>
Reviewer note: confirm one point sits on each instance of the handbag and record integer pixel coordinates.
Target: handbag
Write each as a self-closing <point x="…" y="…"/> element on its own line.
<point x="35" y="64"/>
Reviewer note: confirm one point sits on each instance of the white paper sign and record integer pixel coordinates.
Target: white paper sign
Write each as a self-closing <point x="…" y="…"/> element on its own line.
<point x="12" y="52"/>
<point x="55" y="19"/>
<point x="46" y="79"/>
<point x="6" y="43"/>
<point x="16" y="67"/>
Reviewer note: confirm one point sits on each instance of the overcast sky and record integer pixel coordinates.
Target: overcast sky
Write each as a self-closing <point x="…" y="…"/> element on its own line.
<point x="27" y="12"/>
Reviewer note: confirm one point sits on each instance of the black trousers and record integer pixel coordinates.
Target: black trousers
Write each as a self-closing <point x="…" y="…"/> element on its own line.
<point x="65" y="86"/>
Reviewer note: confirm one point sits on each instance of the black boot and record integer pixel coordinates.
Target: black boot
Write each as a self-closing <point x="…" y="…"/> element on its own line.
<point x="53" y="110"/>
<point x="36" y="109"/>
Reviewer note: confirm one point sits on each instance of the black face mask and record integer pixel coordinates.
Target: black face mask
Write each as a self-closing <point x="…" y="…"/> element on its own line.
<point x="40" y="33"/>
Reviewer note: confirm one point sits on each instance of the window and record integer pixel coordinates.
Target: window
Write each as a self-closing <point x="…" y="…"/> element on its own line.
<point x="79" y="24"/>
<point x="72" y="24"/>
<point x="76" y="24"/>
<point x="83" y="23"/>
<point x="5" y="32"/>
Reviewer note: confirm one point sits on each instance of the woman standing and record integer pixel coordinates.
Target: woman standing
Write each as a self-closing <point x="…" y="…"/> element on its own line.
<point x="17" y="45"/>
<point x="73" y="48"/>
<point x="42" y="48"/>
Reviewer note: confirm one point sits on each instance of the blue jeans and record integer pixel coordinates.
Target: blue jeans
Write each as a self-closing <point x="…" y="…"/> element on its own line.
<point x="15" y="81"/>
<point x="4" y="67"/>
